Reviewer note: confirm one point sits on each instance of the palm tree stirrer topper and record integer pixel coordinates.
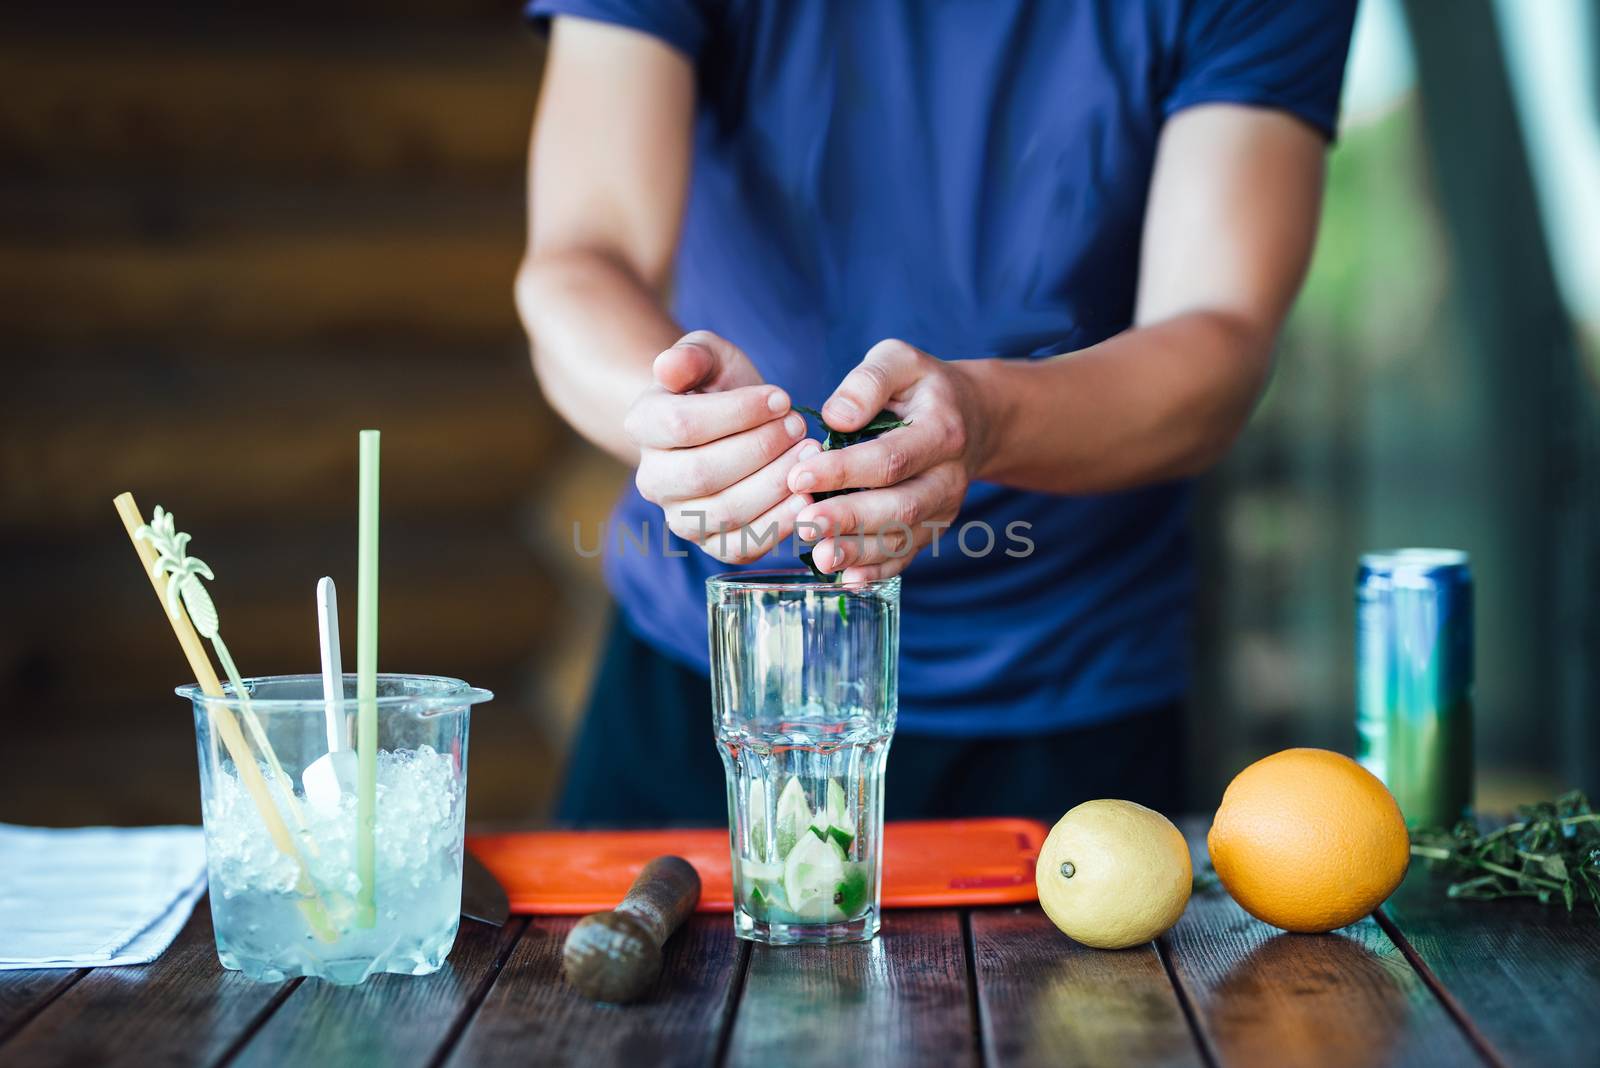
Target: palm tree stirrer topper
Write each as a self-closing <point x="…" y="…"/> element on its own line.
<point x="184" y="573"/>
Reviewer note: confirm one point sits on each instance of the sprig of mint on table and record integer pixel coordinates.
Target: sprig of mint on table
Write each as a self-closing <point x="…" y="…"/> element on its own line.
<point x="832" y="439"/>
<point x="1551" y="852"/>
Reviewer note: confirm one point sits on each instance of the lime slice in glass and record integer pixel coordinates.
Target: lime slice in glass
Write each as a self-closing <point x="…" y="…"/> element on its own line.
<point x="841" y="824"/>
<point x="851" y="894"/>
<point x="811" y="878"/>
<point x="756" y="902"/>
<point x="837" y="809"/>
<point x="793" y="816"/>
<point x="756" y="812"/>
<point x="759" y="871"/>
<point x="762" y="885"/>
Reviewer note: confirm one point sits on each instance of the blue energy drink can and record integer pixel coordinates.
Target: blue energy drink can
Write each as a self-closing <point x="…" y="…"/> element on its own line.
<point x="1414" y="679"/>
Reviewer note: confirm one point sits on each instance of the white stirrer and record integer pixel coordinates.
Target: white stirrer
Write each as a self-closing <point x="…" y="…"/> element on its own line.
<point x="332" y="667"/>
<point x="335" y="772"/>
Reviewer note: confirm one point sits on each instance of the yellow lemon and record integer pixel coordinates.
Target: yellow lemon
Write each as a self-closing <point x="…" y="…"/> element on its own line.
<point x="1113" y="874"/>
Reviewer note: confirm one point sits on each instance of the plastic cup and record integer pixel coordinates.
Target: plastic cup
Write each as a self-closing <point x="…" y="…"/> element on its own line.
<point x="282" y="913"/>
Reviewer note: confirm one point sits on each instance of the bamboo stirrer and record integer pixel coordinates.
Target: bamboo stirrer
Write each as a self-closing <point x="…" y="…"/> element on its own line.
<point x="222" y="720"/>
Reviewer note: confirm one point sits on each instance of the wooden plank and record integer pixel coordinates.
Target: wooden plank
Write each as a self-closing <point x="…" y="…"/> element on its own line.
<point x="183" y="1009"/>
<point x="1527" y="977"/>
<point x="389" y="1020"/>
<point x="110" y="16"/>
<point x="275" y="436"/>
<point x="156" y="212"/>
<point x="376" y="285"/>
<point x="1260" y="996"/>
<point x="1043" y="999"/>
<point x="23" y="994"/>
<point x="531" y="1015"/>
<point x="903" y="998"/>
<point x="277" y="100"/>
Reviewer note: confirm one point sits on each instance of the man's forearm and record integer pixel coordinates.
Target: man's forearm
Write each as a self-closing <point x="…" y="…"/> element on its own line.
<point x="1153" y="403"/>
<point x="595" y="327"/>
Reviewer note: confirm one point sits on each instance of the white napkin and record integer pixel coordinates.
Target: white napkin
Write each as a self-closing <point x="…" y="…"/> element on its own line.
<point x="94" y="896"/>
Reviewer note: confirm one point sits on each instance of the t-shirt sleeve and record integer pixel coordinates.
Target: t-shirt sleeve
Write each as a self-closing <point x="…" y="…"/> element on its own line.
<point x="1286" y="54"/>
<point x="679" y="23"/>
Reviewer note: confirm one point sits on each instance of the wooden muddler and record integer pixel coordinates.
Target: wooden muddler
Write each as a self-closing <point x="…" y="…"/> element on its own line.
<point x="615" y="956"/>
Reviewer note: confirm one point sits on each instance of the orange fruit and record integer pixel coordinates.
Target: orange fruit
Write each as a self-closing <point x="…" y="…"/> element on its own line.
<point x="1308" y="840"/>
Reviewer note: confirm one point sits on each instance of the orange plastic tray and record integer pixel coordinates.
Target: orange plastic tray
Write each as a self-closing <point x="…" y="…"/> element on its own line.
<point x="931" y="863"/>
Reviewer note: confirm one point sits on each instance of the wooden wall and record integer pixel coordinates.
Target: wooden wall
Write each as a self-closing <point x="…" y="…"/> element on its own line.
<point x="230" y="237"/>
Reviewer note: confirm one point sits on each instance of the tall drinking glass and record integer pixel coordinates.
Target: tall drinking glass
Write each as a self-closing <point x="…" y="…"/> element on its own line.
<point x="284" y="847"/>
<point x="804" y="683"/>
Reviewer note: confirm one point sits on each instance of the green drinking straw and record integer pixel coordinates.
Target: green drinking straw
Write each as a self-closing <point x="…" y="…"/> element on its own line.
<point x="367" y="678"/>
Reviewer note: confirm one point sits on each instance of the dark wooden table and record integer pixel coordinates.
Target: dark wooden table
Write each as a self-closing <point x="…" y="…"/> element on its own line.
<point x="1427" y="982"/>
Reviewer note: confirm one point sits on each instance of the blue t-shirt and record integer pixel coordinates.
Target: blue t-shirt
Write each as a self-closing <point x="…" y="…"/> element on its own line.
<point x="969" y="177"/>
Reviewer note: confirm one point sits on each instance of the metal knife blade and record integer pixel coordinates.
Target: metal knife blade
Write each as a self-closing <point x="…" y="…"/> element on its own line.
<point x="482" y="897"/>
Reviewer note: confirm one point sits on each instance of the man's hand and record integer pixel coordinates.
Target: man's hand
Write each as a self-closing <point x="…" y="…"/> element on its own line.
<point x="911" y="479"/>
<point x="716" y="446"/>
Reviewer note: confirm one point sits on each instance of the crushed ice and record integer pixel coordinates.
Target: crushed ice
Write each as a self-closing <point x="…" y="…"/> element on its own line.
<point x="420" y="812"/>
